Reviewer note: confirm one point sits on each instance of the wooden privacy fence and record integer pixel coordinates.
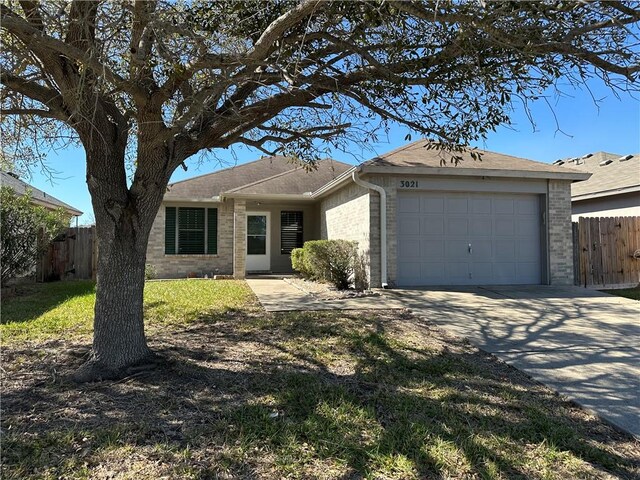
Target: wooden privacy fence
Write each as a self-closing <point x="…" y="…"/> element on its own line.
<point x="606" y="251"/>
<point x="71" y="255"/>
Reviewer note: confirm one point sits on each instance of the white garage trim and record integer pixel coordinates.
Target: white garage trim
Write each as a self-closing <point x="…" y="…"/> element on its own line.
<point x="461" y="238"/>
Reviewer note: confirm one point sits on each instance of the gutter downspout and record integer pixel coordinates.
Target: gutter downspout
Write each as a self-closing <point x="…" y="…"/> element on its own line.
<point x="383" y="224"/>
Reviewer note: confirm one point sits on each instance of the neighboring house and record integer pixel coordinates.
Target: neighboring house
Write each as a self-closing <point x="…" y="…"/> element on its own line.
<point x="38" y="197"/>
<point x="502" y="220"/>
<point x="613" y="189"/>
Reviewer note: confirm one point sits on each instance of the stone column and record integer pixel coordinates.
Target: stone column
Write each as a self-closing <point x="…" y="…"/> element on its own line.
<point x="239" y="238"/>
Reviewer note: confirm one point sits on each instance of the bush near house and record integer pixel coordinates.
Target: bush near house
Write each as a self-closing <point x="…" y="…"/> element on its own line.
<point x="25" y="230"/>
<point x="332" y="261"/>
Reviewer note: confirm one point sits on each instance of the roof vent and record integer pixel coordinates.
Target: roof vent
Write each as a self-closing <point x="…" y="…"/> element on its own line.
<point x="587" y="155"/>
<point x="625" y="158"/>
<point x="605" y="162"/>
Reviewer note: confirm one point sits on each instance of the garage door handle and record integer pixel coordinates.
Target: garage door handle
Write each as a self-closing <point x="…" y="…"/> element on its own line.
<point x="470" y="249"/>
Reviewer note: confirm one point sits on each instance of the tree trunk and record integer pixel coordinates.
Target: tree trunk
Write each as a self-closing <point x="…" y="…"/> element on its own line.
<point x="124" y="217"/>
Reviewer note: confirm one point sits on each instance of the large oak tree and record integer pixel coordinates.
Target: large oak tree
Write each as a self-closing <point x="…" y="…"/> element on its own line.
<point x="144" y="85"/>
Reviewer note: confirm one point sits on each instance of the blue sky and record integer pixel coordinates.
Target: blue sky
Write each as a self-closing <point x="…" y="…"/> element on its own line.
<point x="612" y="126"/>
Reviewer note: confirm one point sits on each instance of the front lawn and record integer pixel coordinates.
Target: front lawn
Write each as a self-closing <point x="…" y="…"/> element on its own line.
<point x="47" y="310"/>
<point x="241" y="393"/>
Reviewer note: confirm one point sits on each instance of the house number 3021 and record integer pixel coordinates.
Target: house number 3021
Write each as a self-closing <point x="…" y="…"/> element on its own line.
<point x="408" y="183"/>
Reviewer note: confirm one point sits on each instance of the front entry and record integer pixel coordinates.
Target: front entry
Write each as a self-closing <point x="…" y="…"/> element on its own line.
<point x="258" y="242"/>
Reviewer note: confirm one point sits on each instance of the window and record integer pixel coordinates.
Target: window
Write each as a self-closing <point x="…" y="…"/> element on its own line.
<point x="191" y="231"/>
<point x="290" y="231"/>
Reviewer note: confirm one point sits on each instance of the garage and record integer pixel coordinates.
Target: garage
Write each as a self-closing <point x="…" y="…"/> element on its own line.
<point x="461" y="238"/>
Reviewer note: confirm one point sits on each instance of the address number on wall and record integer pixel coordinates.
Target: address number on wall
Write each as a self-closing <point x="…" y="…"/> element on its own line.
<point x="409" y="184"/>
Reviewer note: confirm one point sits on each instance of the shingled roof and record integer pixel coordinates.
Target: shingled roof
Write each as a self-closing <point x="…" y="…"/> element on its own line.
<point x="417" y="154"/>
<point x="39" y="197"/>
<point x="268" y="175"/>
<point x="611" y="174"/>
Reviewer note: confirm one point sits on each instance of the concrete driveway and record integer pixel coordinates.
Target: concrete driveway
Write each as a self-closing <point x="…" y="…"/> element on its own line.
<point x="584" y="344"/>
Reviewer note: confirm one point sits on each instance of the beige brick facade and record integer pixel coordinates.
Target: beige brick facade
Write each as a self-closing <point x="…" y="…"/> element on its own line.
<point x="180" y="266"/>
<point x="345" y="214"/>
<point x="239" y="238"/>
<point x="560" y="236"/>
<point x="350" y="213"/>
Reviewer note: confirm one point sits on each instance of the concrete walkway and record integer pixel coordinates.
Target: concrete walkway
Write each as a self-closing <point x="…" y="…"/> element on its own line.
<point x="582" y="343"/>
<point x="276" y="295"/>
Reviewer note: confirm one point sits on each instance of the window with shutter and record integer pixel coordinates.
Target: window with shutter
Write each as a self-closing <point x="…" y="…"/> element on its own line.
<point x="212" y="231"/>
<point x="184" y="231"/>
<point x="170" y="231"/>
<point x="291" y="234"/>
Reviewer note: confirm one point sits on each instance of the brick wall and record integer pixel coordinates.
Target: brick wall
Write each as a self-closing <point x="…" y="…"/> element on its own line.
<point x="239" y="238"/>
<point x="179" y="266"/>
<point x="389" y="184"/>
<point x="345" y="214"/>
<point x="560" y="237"/>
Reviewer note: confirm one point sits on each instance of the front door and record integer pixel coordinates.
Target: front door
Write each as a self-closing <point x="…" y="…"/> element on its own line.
<point x="258" y="243"/>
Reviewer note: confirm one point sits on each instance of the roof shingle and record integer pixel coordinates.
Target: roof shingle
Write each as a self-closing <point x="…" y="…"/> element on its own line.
<point x="417" y="155"/>
<point x="38" y="196"/>
<point x="268" y="175"/>
<point x="617" y="175"/>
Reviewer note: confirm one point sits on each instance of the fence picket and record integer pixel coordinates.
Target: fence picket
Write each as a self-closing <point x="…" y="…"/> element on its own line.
<point x="604" y="254"/>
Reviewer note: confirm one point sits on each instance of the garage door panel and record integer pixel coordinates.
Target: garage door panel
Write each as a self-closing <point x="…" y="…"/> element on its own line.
<point x="433" y="273"/>
<point x="504" y="205"/>
<point x="505" y="250"/>
<point x="432" y="204"/>
<point x="528" y="206"/>
<point x="504" y="226"/>
<point x="528" y="272"/>
<point x="432" y="225"/>
<point x="458" y="272"/>
<point x="457" y="225"/>
<point x="409" y="225"/>
<point x="482" y="272"/>
<point x="409" y="271"/>
<point x="456" y="249"/>
<point x="481" y="248"/>
<point x="480" y="225"/>
<point x="436" y="228"/>
<point x="409" y="204"/>
<point x="480" y="204"/>
<point x="432" y="249"/>
<point x="410" y="247"/>
<point x="527" y="250"/>
<point x="527" y="227"/>
<point x="457" y="204"/>
<point x="504" y="272"/>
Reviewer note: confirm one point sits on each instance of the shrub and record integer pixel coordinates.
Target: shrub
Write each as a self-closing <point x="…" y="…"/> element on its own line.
<point x="330" y="261"/>
<point x="298" y="262"/>
<point x="26" y="230"/>
<point x="360" y="278"/>
<point x="149" y="272"/>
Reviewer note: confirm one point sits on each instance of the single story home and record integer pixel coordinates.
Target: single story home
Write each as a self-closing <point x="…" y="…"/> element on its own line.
<point x="418" y="218"/>
<point x="38" y="197"/>
<point x="613" y="190"/>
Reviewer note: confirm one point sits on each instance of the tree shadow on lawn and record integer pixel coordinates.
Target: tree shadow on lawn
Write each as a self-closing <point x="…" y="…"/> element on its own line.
<point x="321" y="395"/>
<point x="33" y="300"/>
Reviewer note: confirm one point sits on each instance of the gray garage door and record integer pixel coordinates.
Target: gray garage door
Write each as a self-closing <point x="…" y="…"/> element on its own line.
<point x="468" y="239"/>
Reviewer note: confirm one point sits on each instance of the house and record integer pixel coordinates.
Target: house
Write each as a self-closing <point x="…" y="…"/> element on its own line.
<point x="418" y="218"/>
<point x="613" y="189"/>
<point x="38" y="197"/>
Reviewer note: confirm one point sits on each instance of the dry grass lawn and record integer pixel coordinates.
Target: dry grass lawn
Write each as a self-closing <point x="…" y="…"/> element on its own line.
<point x="239" y="393"/>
